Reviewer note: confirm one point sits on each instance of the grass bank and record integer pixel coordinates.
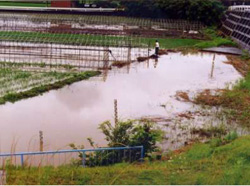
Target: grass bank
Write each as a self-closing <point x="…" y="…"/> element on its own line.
<point x="212" y="163"/>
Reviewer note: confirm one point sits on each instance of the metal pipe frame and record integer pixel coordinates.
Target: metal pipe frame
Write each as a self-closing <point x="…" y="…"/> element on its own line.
<point x="22" y="154"/>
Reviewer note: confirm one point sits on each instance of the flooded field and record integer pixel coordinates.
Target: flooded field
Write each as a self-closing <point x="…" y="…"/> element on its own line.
<point x="112" y="25"/>
<point x="143" y="90"/>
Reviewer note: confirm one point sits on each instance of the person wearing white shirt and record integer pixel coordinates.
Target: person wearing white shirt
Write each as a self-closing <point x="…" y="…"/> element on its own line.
<point x="157" y="47"/>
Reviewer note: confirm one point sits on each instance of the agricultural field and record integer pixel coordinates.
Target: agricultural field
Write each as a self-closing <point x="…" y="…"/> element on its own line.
<point x="17" y="83"/>
<point x="38" y="50"/>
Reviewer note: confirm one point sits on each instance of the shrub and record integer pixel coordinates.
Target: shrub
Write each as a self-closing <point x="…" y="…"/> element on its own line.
<point x="132" y="133"/>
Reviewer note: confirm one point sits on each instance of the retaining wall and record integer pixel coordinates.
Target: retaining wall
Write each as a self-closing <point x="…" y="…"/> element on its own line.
<point x="236" y="24"/>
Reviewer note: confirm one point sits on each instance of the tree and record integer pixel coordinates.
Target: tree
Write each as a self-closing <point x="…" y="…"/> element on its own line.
<point x="142" y="8"/>
<point x="206" y="11"/>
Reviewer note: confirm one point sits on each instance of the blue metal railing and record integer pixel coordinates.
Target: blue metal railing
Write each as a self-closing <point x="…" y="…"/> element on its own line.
<point x="22" y="155"/>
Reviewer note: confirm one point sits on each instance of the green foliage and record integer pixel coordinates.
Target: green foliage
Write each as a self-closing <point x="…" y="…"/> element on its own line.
<point x="132" y="133"/>
<point x="125" y="133"/>
<point x="206" y="11"/>
<point x="142" y="8"/>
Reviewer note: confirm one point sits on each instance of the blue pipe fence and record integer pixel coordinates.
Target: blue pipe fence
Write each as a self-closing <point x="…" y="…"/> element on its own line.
<point x="78" y="157"/>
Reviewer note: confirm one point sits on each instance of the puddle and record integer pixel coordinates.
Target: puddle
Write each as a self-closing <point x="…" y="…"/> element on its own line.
<point x="148" y="89"/>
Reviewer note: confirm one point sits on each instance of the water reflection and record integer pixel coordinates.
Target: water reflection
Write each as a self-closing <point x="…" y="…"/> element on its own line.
<point x="212" y="69"/>
<point x="73" y="113"/>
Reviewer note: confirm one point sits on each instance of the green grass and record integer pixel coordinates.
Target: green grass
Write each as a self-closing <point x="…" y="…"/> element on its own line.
<point x="214" y="40"/>
<point x="118" y="41"/>
<point x="95" y="40"/>
<point x="23" y="4"/>
<point x="200" y="164"/>
<point x="244" y="84"/>
<point x="171" y="43"/>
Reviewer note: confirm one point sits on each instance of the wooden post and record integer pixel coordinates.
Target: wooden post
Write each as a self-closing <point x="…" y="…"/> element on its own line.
<point x="116" y="112"/>
<point x="41" y="140"/>
<point x="212" y="70"/>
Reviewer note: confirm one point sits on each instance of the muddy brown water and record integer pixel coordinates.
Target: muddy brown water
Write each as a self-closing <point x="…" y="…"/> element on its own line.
<point x="73" y="113"/>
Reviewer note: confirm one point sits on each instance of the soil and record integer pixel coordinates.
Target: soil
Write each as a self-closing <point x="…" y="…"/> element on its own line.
<point x="242" y="66"/>
<point x="182" y="96"/>
<point x="119" y="64"/>
<point x="206" y="97"/>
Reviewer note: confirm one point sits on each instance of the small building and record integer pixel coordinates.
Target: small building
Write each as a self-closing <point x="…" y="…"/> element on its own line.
<point x="62" y="4"/>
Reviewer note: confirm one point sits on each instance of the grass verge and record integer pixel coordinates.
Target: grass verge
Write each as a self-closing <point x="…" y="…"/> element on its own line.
<point x="207" y="164"/>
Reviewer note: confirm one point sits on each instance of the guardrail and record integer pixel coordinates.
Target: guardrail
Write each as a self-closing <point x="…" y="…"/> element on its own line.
<point x="84" y="157"/>
<point x="239" y="8"/>
<point x="41" y="9"/>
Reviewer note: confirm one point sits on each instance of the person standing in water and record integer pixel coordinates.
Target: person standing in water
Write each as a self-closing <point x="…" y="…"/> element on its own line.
<point x="157" y="48"/>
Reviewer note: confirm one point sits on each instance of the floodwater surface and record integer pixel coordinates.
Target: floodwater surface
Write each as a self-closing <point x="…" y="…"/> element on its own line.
<point x="73" y="113"/>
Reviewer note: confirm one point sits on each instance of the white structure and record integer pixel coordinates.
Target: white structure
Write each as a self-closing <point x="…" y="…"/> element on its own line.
<point x="240" y="8"/>
<point x="41" y="9"/>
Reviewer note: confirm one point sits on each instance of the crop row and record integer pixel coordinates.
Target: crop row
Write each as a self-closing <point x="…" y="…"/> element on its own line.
<point x="14" y="80"/>
<point x="72" y="39"/>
